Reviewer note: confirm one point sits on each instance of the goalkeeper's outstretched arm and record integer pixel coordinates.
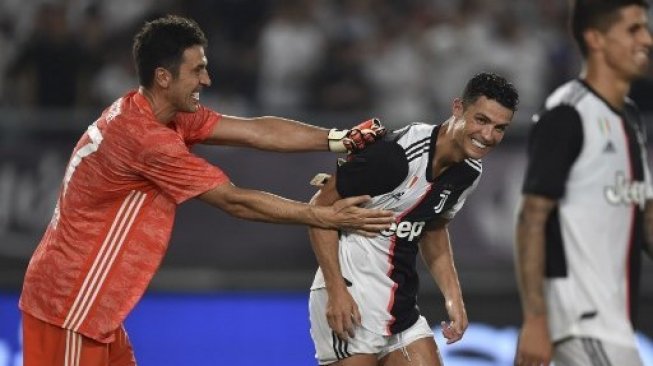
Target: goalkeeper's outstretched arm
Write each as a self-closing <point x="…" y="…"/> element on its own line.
<point x="285" y="135"/>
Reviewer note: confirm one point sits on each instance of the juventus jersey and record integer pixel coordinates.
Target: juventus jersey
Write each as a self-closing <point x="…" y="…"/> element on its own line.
<point x="396" y="172"/>
<point x="592" y="160"/>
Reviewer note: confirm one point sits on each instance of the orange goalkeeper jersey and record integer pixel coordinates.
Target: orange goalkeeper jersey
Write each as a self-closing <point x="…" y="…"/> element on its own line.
<point x="112" y="222"/>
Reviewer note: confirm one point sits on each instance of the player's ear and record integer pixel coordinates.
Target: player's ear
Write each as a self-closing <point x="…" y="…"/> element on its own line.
<point x="162" y="77"/>
<point x="457" y="108"/>
<point x="593" y="39"/>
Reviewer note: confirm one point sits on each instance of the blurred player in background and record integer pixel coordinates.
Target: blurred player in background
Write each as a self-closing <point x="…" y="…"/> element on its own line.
<point x="363" y="305"/>
<point x="125" y="178"/>
<point x="581" y="225"/>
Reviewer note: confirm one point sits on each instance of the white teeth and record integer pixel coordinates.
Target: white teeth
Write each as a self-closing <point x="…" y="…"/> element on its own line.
<point x="196" y="96"/>
<point x="478" y="144"/>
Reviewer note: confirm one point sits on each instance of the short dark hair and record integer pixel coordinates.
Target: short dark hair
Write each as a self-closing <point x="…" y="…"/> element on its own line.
<point x="491" y="86"/>
<point x="597" y="14"/>
<point x="161" y="43"/>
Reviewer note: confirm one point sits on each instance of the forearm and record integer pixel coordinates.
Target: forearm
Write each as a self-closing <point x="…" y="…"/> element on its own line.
<point x="263" y="206"/>
<point x="285" y="135"/>
<point x="325" y="243"/>
<point x="438" y="257"/>
<point x="530" y="253"/>
<point x="280" y="134"/>
<point x="325" y="246"/>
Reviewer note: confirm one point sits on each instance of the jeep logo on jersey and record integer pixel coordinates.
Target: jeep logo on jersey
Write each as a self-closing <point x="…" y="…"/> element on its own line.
<point x="624" y="192"/>
<point x="405" y="229"/>
<point x="443" y="198"/>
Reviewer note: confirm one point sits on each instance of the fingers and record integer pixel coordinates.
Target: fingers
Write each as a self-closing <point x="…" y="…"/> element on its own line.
<point x="368" y="221"/>
<point x="358" y="139"/>
<point x="342" y="313"/>
<point x="356" y="316"/>
<point x="371" y="230"/>
<point x="529" y="356"/>
<point x="348" y="325"/>
<point x="365" y="133"/>
<point x="368" y="216"/>
<point x="335" y="323"/>
<point x="343" y="324"/>
<point x="451" y="332"/>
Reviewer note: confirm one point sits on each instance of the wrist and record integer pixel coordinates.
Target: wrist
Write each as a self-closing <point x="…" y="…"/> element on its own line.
<point x="539" y="318"/>
<point x="317" y="217"/>
<point x="335" y="138"/>
<point x="336" y="286"/>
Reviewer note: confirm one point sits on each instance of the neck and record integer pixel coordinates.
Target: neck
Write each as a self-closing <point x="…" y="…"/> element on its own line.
<point x="447" y="153"/>
<point x="607" y="83"/>
<point x="163" y="111"/>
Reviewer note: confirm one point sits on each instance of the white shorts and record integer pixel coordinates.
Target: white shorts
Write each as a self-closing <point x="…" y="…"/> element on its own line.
<point x="329" y="348"/>
<point x="578" y="351"/>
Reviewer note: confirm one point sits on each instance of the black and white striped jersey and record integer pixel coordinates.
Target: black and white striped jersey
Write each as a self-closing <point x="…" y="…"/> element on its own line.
<point x="592" y="160"/>
<point x="397" y="173"/>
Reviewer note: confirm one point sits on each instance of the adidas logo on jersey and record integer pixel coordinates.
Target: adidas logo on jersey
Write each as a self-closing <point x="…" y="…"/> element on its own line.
<point x="609" y="147"/>
<point x="405" y="229"/>
<point x="625" y="192"/>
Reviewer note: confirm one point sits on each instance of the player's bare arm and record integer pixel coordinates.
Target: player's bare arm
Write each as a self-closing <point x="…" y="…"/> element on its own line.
<point x="342" y="310"/>
<point x="435" y="248"/>
<point x="286" y="135"/>
<point x="648" y="227"/>
<point x="269" y="133"/>
<point x="263" y="206"/>
<point x="534" y="342"/>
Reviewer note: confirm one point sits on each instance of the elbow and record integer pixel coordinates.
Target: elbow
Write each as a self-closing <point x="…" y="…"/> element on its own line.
<point x="230" y="199"/>
<point x="319" y="199"/>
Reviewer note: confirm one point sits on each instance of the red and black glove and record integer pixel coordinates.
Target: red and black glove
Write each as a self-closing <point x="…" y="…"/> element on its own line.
<point x="356" y="138"/>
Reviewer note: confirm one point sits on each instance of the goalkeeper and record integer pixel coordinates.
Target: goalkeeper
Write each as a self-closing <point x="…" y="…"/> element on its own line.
<point x="129" y="171"/>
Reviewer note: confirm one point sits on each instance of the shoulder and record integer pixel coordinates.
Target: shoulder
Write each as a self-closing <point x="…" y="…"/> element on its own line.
<point x="561" y="108"/>
<point x="415" y="131"/>
<point x="558" y="115"/>
<point x="383" y="154"/>
<point x="197" y="126"/>
<point x="571" y="93"/>
<point x="378" y="169"/>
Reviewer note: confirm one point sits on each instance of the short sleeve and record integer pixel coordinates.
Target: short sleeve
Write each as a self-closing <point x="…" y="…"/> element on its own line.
<point x="166" y="161"/>
<point x="378" y="169"/>
<point x="196" y="127"/>
<point x="554" y="144"/>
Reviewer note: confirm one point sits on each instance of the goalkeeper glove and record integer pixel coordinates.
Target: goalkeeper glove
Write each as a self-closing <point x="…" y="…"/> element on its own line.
<point x="356" y="138"/>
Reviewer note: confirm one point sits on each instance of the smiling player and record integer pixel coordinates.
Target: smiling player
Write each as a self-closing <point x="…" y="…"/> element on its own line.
<point x="587" y="188"/>
<point x="129" y="171"/>
<point x="363" y="305"/>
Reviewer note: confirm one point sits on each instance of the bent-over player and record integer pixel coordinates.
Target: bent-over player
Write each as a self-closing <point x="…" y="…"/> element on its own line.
<point x="363" y="307"/>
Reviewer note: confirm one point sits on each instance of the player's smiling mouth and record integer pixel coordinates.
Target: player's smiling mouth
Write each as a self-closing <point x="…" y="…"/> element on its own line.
<point x="478" y="144"/>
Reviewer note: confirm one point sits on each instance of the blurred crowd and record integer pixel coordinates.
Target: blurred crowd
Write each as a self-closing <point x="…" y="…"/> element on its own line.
<point x="401" y="60"/>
